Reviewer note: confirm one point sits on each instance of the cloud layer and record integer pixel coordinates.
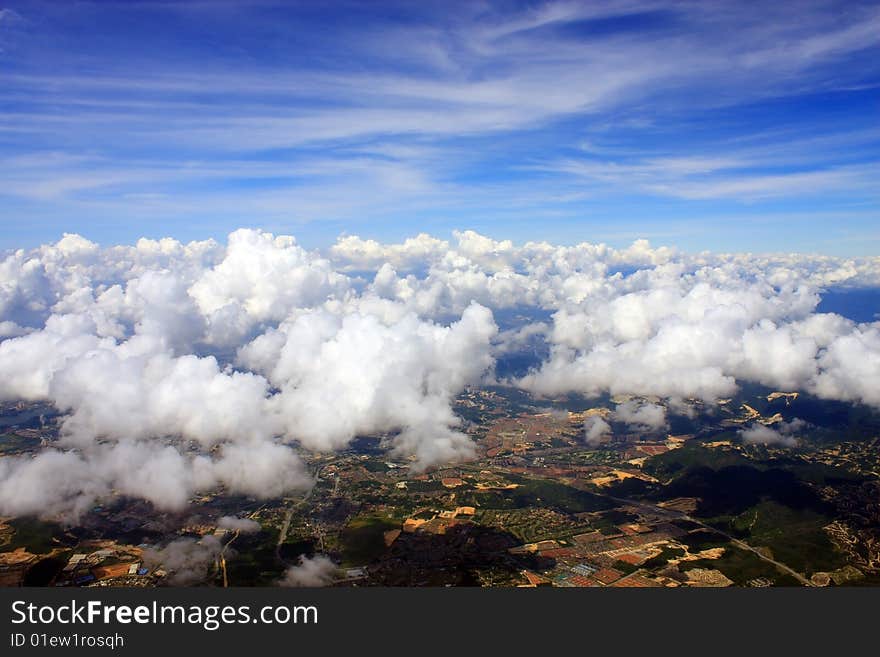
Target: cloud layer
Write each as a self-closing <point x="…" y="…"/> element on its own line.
<point x="181" y="368"/>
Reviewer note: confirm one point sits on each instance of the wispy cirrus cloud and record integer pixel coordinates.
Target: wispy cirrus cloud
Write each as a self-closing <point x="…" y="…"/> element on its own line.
<point x="698" y="178"/>
<point x="288" y="104"/>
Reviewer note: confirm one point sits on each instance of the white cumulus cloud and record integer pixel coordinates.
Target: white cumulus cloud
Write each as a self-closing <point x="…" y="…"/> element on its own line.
<point x="183" y="368"/>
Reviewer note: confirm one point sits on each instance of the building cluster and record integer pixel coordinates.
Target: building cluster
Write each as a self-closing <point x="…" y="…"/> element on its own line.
<point x="109" y="565"/>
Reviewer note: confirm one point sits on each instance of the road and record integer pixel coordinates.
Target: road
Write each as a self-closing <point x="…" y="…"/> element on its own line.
<point x="285" y="526"/>
<point x="222" y="557"/>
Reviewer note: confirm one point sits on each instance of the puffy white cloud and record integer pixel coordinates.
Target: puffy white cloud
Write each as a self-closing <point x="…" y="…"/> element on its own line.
<point x="344" y="374"/>
<point x="76" y="276"/>
<point x="783" y="433"/>
<point x="671" y="332"/>
<point x="123" y="393"/>
<point x="236" y="524"/>
<point x="311" y="572"/>
<point x="849" y="367"/>
<point x="265" y="277"/>
<point x="52" y="482"/>
<point x="261" y="469"/>
<point x="28" y="363"/>
<point x="595" y="429"/>
<point x="353" y="253"/>
<point x="186" y="560"/>
<point x="25" y="291"/>
<point x="68" y="483"/>
<point x="641" y="416"/>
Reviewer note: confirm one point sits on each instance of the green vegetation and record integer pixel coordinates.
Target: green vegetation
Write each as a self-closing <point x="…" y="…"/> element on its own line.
<point x="730" y="490"/>
<point x="689" y="457"/>
<point x="794" y="536"/>
<point x="633" y="488"/>
<point x="363" y="539"/>
<point x="533" y="524"/>
<point x="769" y="502"/>
<point x="624" y="567"/>
<point x="254" y="561"/>
<point x="740" y="566"/>
<point x="291" y="550"/>
<point x="608" y="521"/>
<point x="538" y="493"/>
<point x="41" y="573"/>
<point x="366" y="485"/>
<point x="33" y="535"/>
<point x="820" y="473"/>
<point x="668" y="552"/>
<point x="590" y="457"/>
<point x="703" y="539"/>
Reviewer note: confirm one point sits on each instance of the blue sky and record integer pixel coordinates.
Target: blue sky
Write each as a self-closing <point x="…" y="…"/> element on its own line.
<point x="722" y="126"/>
